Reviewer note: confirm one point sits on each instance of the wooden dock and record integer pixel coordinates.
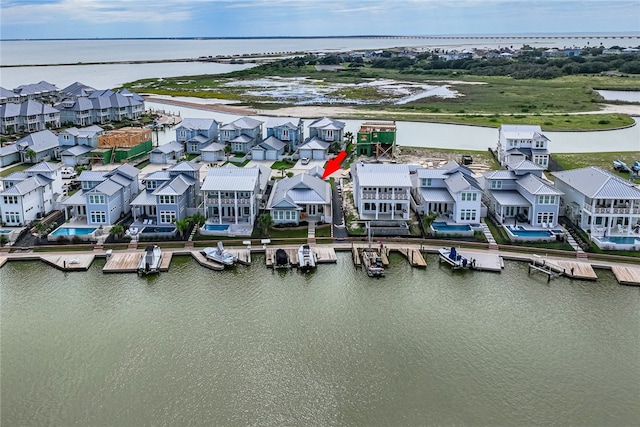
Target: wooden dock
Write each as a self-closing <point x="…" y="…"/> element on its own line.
<point x="68" y="261"/>
<point x="627" y="275"/>
<point x="203" y="261"/>
<point x="128" y="262"/>
<point x="574" y="269"/>
<point x="270" y="255"/>
<point x="244" y="255"/>
<point x="414" y="256"/>
<point x="355" y="253"/>
<point x="325" y="255"/>
<point x="3" y="259"/>
<point x="483" y="261"/>
<point x="357" y="257"/>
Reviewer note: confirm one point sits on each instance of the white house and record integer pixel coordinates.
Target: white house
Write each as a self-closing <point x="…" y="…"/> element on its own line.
<point x="302" y="197"/>
<point x="382" y="191"/>
<point x="29" y="195"/>
<point x="603" y="204"/>
<point x="522" y="142"/>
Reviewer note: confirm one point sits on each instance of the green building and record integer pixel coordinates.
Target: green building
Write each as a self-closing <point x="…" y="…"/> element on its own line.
<point x="377" y="140"/>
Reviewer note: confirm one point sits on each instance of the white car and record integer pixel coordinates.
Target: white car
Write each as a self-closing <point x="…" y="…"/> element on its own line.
<point x="68" y="172"/>
<point x="305" y="161"/>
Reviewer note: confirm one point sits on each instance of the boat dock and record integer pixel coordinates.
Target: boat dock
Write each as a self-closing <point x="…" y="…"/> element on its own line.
<point x="574" y="269"/>
<point x="627" y="275"/>
<point x="414" y="256"/>
<point x="243" y="255"/>
<point x="206" y="262"/>
<point x="3" y="259"/>
<point x="483" y="260"/>
<point x="270" y="255"/>
<point x="128" y="262"/>
<point x="323" y="255"/>
<point x="69" y="261"/>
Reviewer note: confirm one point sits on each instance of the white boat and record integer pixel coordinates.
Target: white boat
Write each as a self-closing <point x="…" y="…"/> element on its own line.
<point x="372" y="263"/>
<point x="281" y="259"/>
<point x="306" y="258"/>
<point x="220" y="254"/>
<point x="454" y="259"/>
<point x="150" y="261"/>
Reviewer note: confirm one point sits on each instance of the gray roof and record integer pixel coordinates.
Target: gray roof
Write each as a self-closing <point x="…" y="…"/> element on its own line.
<point x="327" y="123"/>
<point x="76" y="199"/>
<point x="509" y="198"/>
<point x="382" y="175"/>
<point x="197" y="124"/>
<point x="596" y="183"/>
<point x="272" y="143"/>
<point x="302" y="188"/>
<point x="213" y="147"/>
<point x="242" y="123"/>
<point x="121" y="179"/>
<point x="7" y="94"/>
<point x="175" y="187"/>
<point x="125" y="169"/>
<point x="242" y="139"/>
<point x="315" y="144"/>
<point x="108" y="187"/>
<point x="77" y="150"/>
<point x="500" y="174"/>
<point x="145" y="198"/>
<point x="435" y="195"/>
<point x="521" y="131"/>
<point x="39" y="141"/>
<point x="230" y="179"/>
<point x="171" y="147"/>
<point x="44" y="167"/>
<point x="8" y="149"/>
<point x="288" y="122"/>
<point x="526" y="165"/>
<point x="537" y="186"/>
<point x="158" y="176"/>
<point x="185" y="166"/>
<point x="92" y="176"/>
<point x="83" y="132"/>
<point x="459" y="182"/>
<point x="424" y="173"/>
<point x="36" y="88"/>
<point x="26" y="186"/>
<point x="78" y="89"/>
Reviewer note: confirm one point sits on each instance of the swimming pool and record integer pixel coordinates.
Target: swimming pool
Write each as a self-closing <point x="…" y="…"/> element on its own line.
<point x="5" y="231"/>
<point x="216" y="227"/>
<point x="73" y="231"/>
<point x="443" y="226"/>
<point x="620" y="240"/>
<point x="155" y="230"/>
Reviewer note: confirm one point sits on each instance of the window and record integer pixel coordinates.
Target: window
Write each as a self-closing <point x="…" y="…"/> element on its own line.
<point x="98" y="217"/>
<point x="167" y="217"/>
<point x="546" y="200"/>
<point x="246" y="211"/>
<point x="469" y="197"/>
<point x="12" y="218"/>
<point x="496" y="185"/>
<point x="152" y="185"/>
<point x="167" y="200"/>
<point x="96" y="199"/>
<point x="545" y="217"/>
<point x="10" y="200"/>
<point x="329" y="135"/>
<point x="468" y="214"/>
<point x="285" y="134"/>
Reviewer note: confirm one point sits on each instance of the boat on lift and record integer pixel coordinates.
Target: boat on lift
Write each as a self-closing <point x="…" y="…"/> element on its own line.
<point x="220" y="254"/>
<point x="150" y="261"/>
<point x="306" y="258"/>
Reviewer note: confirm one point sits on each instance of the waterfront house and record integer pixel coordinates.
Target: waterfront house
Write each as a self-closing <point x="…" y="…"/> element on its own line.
<point x="288" y="130"/>
<point x="196" y="134"/>
<point x="167" y="196"/>
<point x="7" y="95"/>
<point x="603" y="204"/>
<point x="42" y="91"/>
<point x="302" y="197"/>
<point x="230" y="197"/>
<point x="241" y="134"/>
<point x="29" y="195"/>
<point x="522" y="142"/>
<point x="450" y="191"/>
<point x="27" y="116"/>
<point x="100" y="106"/>
<point x="521" y="194"/>
<point x="105" y="196"/>
<point x="167" y="154"/>
<point x="76" y="90"/>
<point x="382" y="191"/>
<point x="327" y="130"/>
<point x="269" y="149"/>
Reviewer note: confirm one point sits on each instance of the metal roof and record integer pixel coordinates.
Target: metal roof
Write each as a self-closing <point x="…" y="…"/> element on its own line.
<point x="459" y="182"/>
<point x="92" y="176"/>
<point x="315" y="144"/>
<point x="175" y="187"/>
<point x="302" y="188"/>
<point x="596" y="183"/>
<point x="108" y="187"/>
<point x="327" y="123"/>
<point x="509" y="198"/>
<point x="197" y="124"/>
<point x="437" y="195"/>
<point x="526" y="165"/>
<point x="145" y="198"/>
<point x="230" y="179"/>
<point x="537" y="186"/>
<point x="289" y="122"/>
<point x="382" y="175"/>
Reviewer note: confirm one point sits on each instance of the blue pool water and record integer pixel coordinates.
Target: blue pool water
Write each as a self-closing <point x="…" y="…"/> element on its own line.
<point x="518" y="231"/>
<point x="620" y="240"/>
<point x="216" y="227"/>
<point x="5" y="231"/>
<point x="443" y="226"/>
<point x="72" y="231"/>
<point x="150" y="230"/>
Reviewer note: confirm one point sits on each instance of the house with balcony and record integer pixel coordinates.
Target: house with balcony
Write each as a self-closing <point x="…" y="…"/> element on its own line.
<point x="522" y="195"/>
<point x="7" y="95"/>
<point x="41" y="145"/>
<point x="522" y="142"/>
<point x="382" y="191"/>
<point x="27" y="116"/>
<point x="30" y="194"/>
<point x="41" y="91"/>
<point x="303" y="197"/>
<point x="105" y="196"/>
<point x="196" y="134"/>
<point x="603" y="204"/>
<point x="100" y="106"/>
<point x="242" y="134"/>
<point x="167" y="196"/>
<point x="288" y="130"/>
<point x="231" y="198"/>
<point x="170" y="153"/>
<point x="451" y="191"/>
<point x="327" y="130"/>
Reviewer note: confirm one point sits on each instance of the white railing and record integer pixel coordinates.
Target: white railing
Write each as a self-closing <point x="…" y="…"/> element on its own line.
<point x="384" y="196"/>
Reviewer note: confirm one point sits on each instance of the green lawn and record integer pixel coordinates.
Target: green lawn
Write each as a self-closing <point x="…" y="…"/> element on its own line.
<point x="17" y="168"/>
<point x="604" y="160"/>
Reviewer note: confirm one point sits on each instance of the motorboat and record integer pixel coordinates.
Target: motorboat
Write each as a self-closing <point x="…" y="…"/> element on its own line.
<point x="220" y="254"/>
<point x="455" y="259"/>
<point x="281" y="259"/>
<point x="306" y="258"/>
<point x="150" y="261"/>
<point x="372" y="263"/>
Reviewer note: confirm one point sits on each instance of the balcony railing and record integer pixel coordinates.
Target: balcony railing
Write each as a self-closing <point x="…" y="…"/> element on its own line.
<point x="611" y="210"/>
<point x="385" y="196"/>
<point x="215" y="200"/>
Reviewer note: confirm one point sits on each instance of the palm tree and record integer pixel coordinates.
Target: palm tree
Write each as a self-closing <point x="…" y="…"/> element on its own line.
<point x="264" y="223"/>
<point x="348" y="138"/>
<point x="182" y="225"/>
<point x="427" y="220"/>
<point x="198" y="219"/>
<point x="227" y="150"/>
<point x="117" y="230"/>
<point x="30" y="154"/>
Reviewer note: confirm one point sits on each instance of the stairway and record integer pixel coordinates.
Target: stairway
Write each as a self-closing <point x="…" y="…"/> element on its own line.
<point x="311" y="234"/>
<point x="489" y="236"/>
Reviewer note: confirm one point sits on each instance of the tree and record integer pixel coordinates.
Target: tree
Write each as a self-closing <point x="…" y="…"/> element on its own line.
<point x="427" y="220"/>
<point x="227" y="150"/>
<point x="264" y="223"/>
<point x="117" y="230"/>
<point x="182" y="225"/>
<point x="41" y="228"/>
<point x="198" y="219"/>
<point x="30" y="154"/>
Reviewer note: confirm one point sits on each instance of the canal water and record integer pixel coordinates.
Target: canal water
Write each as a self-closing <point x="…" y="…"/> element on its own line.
<point x="251" y="346"/>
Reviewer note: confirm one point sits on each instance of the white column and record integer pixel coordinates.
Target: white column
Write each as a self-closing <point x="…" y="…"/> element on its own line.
<point x="219" y="207"/>
<point x="235" y="205"/>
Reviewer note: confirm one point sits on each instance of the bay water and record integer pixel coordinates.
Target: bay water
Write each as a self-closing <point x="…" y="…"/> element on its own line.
<point x="250" y="346"/>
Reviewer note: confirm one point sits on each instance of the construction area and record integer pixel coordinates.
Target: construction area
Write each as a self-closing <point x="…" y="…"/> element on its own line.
<point x="122" y="145"/>
<point x="377" y="139"/>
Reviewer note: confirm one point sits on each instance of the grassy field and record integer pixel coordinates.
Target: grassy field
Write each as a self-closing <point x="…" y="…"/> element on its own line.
<point x="603" y="160"/>
<point x="485" y="100"/>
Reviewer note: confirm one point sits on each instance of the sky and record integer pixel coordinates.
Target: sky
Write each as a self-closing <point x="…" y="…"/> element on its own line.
<point x="44" y="19"/>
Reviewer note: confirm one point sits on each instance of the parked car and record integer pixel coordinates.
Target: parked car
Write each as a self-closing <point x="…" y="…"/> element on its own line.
<point x="305" y="161"/>
<point x="68" y="172"/>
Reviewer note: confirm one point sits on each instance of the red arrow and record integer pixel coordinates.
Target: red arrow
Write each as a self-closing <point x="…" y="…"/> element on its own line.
<point x="334" y="164"/>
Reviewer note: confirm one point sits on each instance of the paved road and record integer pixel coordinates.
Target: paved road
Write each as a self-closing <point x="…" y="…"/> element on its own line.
<point x="339" y="229"/>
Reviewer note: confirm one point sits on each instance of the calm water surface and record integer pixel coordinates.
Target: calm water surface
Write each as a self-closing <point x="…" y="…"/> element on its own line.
<point x="252" y="346"/>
